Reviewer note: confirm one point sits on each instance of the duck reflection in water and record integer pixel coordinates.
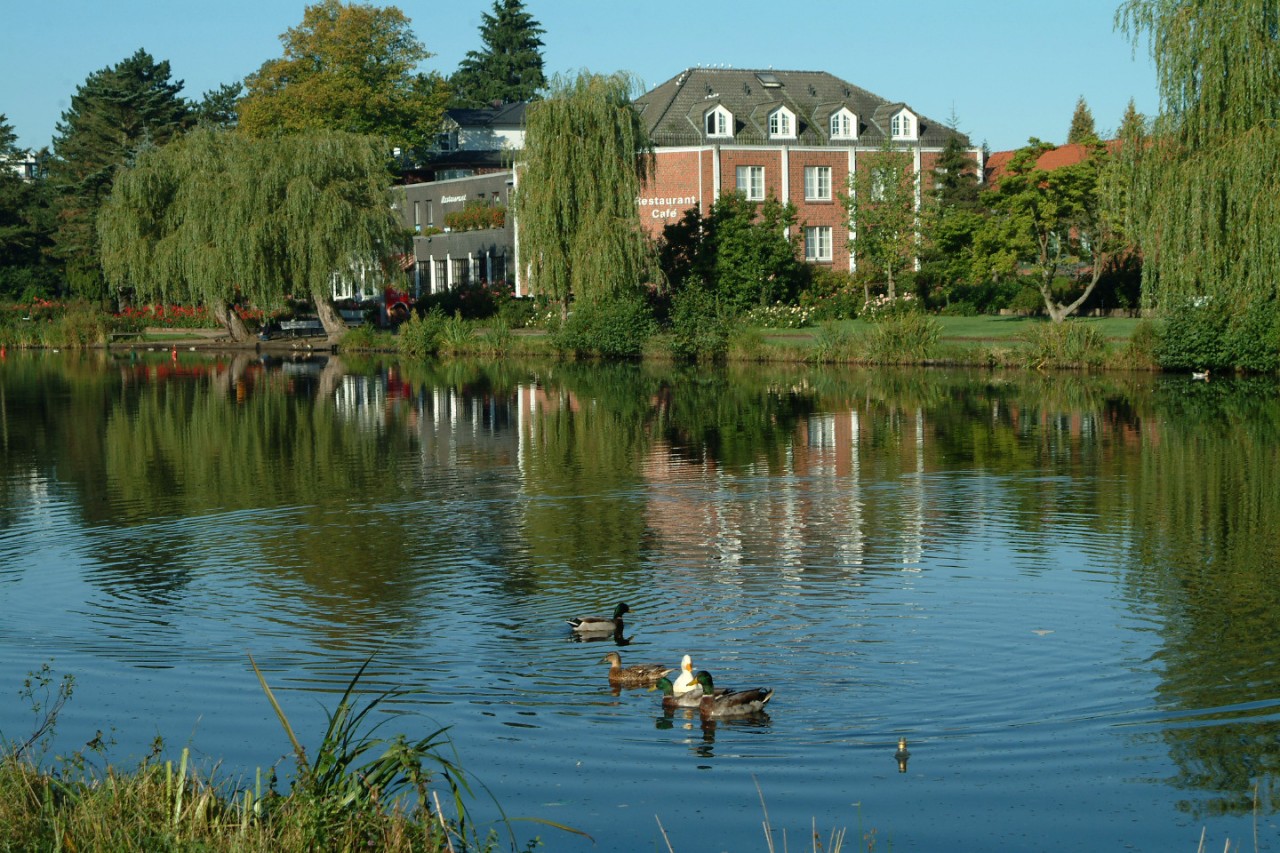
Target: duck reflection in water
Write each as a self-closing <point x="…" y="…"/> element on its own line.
<point x="685" y="718"/>
<point x="616" y="637"/>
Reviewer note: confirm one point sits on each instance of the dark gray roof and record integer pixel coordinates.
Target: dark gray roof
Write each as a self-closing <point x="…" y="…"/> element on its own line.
<point x="502" y="115"/>
<point x="674" y="110"/>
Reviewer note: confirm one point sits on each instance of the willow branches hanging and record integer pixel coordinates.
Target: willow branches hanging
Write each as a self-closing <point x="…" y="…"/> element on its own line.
<point x="1205" y="185"/>
<point x="217" y="218"/>
<point x="586" y="156"/>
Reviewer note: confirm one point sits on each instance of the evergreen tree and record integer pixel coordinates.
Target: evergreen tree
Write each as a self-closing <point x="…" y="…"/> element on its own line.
<point x="586" y="156"/>
<point x="219" y="218"/>
<point x="115" y="114"/>
<point x="509" y="69"/>
<point x="1204" y="192"/>
<point x="1082" y="129"/>
<point x="218" y="107"/>
<point x="952" y="216"/>
<point x="24" y="227"/>
<point x="347" y="67"/>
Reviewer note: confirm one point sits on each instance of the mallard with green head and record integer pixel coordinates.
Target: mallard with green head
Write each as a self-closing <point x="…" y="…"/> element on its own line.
<point x="689" y="699"/>
<point x="731" y="703"/>
<point x="599" y="624"/>
<point x="633" y="674"/>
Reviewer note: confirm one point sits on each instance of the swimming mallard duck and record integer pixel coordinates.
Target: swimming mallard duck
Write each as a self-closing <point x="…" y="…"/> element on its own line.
<point x="689" y="699"/>
<point x="684" y="683"/>
<point x="732" y="703"/>
<point x="599" y="624"/>
<point x="636" y="673"/>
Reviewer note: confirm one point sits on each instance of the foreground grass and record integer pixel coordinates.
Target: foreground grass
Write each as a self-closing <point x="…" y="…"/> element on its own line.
<point x="353" y="792"/>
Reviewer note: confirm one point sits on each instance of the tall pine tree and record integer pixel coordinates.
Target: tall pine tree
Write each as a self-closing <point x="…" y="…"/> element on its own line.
<point x="1082" y="129"/>
<point x="115" y="114"/>
<point x="24" y="227"/>
<point x="509" y="68"/>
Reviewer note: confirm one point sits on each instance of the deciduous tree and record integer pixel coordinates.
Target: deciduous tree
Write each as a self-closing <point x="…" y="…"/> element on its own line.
<point x="509" y="68"/>
<point x="218" y="218"/>
<point x="349" y="67"/>
<point x="1050" y="220"/>
<point x="1205" y="191"/>
<point x="883" y="214"/>
<point x="748" y="257"/>
<point x="115" y="114"/>
<point x="586" y="155"/>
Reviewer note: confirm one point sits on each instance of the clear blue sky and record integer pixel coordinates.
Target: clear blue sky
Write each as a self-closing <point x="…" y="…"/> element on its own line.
<point x="1007" y="69"/>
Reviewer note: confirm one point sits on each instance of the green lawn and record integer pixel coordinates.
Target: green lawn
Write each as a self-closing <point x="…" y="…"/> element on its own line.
<point x="982" y="329"/>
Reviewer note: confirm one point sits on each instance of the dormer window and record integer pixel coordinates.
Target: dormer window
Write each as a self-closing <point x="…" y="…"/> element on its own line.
<point x="782" y="123"/>
<point x="719" y="122"/>
<point x="902" y="125"/>
<point x="844" y="125"/>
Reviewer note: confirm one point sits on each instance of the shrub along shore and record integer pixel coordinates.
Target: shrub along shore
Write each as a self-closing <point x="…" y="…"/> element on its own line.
<point x="905" y="338"/>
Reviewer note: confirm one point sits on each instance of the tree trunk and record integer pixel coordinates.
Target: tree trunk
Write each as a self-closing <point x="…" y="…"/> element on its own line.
<point x="230" y="320"/>
<point x="1059" y="312"/>
<point x="334" y="326"/>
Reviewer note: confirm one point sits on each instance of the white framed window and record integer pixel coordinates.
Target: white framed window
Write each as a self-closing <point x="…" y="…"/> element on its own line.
<point x="817" y="183"/>
<point x="719" y="122"/>
<point x="751" y="182"/>
<point x="782" y="123"/>
<point x="903" y="125"/>
<point x="817" y="243"/>
<point x="844" y="125"/>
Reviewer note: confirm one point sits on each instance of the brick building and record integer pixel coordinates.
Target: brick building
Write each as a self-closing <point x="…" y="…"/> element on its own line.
<point x="795" y="135"/>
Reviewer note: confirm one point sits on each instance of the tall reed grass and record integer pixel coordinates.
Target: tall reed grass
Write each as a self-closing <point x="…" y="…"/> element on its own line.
<point x="353" y="791"/>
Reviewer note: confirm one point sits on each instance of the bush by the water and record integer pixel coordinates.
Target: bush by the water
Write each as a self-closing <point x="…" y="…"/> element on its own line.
<point x="903" y="337"/>
<point x="1071" y="344"/>
<point x="700" y="326"/>
<point x="419" y="336"/>
<point x="614" y="327"/>
<point x="1200" y="335"/>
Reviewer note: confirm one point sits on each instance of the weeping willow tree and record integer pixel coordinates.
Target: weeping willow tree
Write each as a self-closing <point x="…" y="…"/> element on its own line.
<point x="1205" y="184"/>
<point x="217" y="218"/>
<point x="586" y="156"/>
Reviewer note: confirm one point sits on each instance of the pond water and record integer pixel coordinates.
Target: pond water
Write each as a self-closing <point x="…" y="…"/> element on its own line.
<point x="1061" y="590"/>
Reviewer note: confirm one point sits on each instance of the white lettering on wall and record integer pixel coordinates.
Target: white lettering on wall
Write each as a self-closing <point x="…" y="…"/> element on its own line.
<point x="686" y="200"/>
<point x="452" y="199"/>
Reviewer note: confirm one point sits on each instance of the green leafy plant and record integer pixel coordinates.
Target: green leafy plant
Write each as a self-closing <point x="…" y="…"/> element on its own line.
<point x="699" y="326"/>
<point x="419" y="336"/>
<point x="613" y="327"/>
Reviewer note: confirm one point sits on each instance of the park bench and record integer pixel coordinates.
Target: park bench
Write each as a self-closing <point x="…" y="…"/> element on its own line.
<point x="301" y="328"/>
<point x="113" y="337"/>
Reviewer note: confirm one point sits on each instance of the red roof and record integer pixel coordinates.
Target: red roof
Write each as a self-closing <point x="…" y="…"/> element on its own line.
<point x="1054" y="158"/>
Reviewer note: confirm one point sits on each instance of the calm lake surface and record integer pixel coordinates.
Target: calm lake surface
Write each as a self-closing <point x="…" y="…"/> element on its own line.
<point x="1060" y="589"/>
